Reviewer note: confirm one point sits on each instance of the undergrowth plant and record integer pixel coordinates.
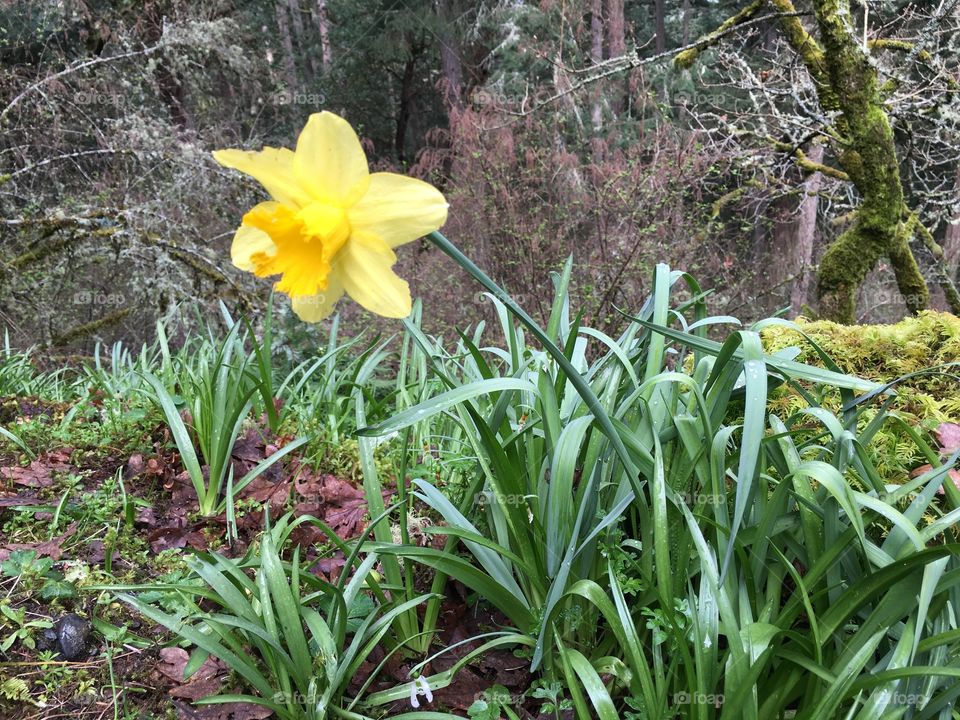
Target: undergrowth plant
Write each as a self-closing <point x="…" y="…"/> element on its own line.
<point x="216" y="386"/>
<point x="296" y="640"/>
<point x="732" y="569"/>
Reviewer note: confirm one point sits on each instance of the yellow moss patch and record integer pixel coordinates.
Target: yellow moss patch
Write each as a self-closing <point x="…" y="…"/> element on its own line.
<point x="883" y="353"/>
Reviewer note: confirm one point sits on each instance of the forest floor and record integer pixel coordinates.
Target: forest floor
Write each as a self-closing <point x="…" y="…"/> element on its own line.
<point x="97" y="509"/>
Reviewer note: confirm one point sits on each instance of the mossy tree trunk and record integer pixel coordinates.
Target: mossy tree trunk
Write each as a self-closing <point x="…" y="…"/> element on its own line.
<point x="869" y="156"/>
<point x="861" y="138"/>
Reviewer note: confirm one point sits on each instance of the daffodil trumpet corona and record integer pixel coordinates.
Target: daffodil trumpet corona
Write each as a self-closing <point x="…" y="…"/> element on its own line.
<point x="331" y="226"/>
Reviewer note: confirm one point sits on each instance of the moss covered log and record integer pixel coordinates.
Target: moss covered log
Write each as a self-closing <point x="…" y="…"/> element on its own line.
<point x="86" y="329"/>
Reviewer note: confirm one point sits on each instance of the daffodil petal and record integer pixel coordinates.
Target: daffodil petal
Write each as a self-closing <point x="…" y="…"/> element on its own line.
<point x="303" y="265"/>
<point x="398" y="209"/>
<point x="314" y="308"/>
<point x="247" y="242"/>
<point x="330" y="163"/>
<point x="364" y="264"/>
<point x="272" y="168"/>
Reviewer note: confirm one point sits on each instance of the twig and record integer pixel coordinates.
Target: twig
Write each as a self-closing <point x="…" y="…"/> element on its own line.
<point x="82" y="153"/>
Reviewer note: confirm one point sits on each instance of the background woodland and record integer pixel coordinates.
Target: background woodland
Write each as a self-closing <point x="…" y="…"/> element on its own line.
<point x="597" y="128"/>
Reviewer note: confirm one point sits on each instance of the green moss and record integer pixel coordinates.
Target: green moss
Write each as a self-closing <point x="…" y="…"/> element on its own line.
<point x="950" y="292"/>
<point x="683" y="60"/>
<point x="843" y="267"/>
<point x="869" y="157"/>
<point x="809" y="50"/>
<point x="910" y="280"/>
<point x="82" y="331"/>
<point x="883" y="353"/>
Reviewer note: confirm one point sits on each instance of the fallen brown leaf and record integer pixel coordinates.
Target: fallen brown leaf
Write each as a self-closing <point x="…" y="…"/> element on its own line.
<point x="233" y="711"/>
<point x="338" y="503"/>
<point x="39" y="473"/>
<point x="953" y="475"/>
<point x="36" y="475"/>
<point x="176" y="537"/>
<point x="15" y="500"/>
<point x="173" y="660"/>
<point x="52" y="548"/>
<point x="206" y="681"/>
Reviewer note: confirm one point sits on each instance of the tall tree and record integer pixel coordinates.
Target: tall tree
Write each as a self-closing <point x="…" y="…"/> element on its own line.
<point x="281" y="10"/>
<point x="596" y="55"/>
<point x="616" y="29"/>
<point x="450" y="63"/>
<point x="794" y="237"/>
<point x="660" y="24"/>
<point x="322" y="22"/>
<point x="951" y="237"/>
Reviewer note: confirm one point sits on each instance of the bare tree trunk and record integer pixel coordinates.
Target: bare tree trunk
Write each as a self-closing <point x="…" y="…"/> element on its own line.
<point x="805" y="234"/>
<point x="615" y="27"/>
<point x="563" y="86"/>
<point x="322" y="22"/>
<point x="450" y="63"/>
<point x="685" y="11"/>
<point x="660" y="21"/>
<point x="171" y="92"/>
<point x="298" y="33"/>
<point x="596" y="54"/>
<point x="286" y="43"/>
<point x="405" y="108"/>
<point x="951" y="236"/>
<point x="951" y="241"/>
<point x="168" y="83"/>
<point x="297" y="20"/>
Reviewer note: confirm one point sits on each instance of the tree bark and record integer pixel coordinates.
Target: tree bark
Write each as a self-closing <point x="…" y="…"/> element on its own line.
<point x="660" y="23"/>
<point x="451" y="67"/>
<point x="405" y="108"/>
<point x="951" y="240"/>
<point x="286" y="44"/>
<point x="296" y="18"/>
<point x="847" y="86"/>
<point x="869" y="157"/>
<point x="685" y="11"/>
<point x="596" y="55"/>
<point x="802" y="256"/>
<point x="169" y="86"/>
<point x="794" y="236"/>
<point x="615" y="27"/>
<point x="322" y="22"/>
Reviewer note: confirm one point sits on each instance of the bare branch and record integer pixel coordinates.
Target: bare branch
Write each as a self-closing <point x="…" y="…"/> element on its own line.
<point x="69" y="156"/>
<point x="76" y="68"/>
<point x="620" y="64"/>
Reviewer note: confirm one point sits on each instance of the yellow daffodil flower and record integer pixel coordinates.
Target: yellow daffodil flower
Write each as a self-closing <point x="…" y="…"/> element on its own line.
<point x="331" y="226"/>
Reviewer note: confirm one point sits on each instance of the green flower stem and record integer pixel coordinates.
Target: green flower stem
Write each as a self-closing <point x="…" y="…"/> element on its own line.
<point x="581" y="386"/>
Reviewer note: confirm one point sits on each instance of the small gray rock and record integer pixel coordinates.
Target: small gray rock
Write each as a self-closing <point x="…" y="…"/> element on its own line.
<point x="73" y="632"/>
<point x="47" y="640"/>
